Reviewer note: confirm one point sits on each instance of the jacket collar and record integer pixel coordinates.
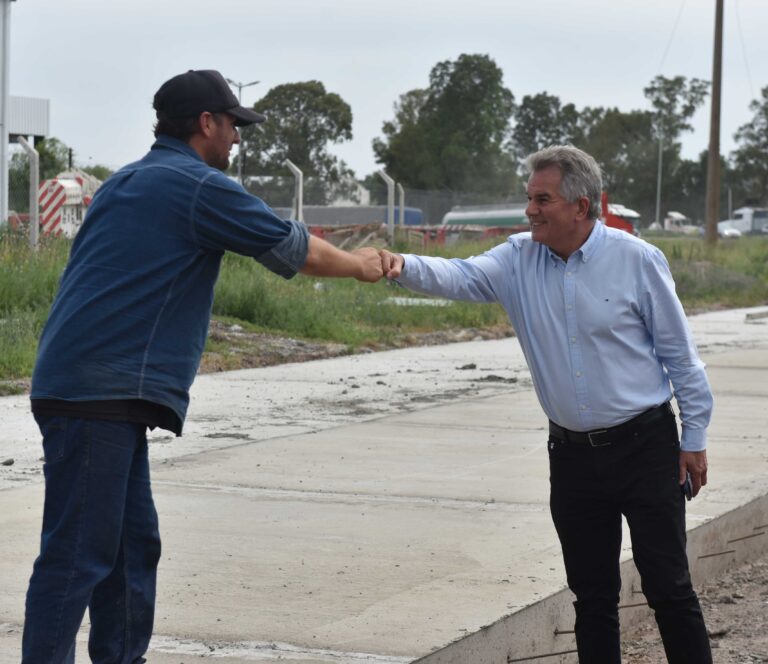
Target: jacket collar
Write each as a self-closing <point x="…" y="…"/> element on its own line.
<point x="167" y="142"/>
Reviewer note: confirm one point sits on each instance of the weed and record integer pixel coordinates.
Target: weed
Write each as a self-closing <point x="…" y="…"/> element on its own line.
<point x="732" y="274"/>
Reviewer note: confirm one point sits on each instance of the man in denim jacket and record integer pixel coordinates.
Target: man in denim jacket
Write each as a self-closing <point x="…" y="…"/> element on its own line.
<point x="120" y="350"/>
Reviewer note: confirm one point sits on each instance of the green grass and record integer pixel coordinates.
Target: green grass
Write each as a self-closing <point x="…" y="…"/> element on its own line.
<point x="340" y="310"/>
<point x="28" y="282"/>
<point x="18" y="344"/>
<point x="734" y="274"/>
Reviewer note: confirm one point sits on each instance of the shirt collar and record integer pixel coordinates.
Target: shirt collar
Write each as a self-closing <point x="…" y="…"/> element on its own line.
<point x="586" y="250"/>
<point x="170" y="143"/>
<point x="593" y="241"/>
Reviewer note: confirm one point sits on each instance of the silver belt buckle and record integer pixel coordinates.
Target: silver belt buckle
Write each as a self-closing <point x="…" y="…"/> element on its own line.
<point x="595" y="433"/>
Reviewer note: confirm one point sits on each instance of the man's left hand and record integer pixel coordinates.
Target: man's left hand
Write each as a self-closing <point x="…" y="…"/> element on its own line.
<point x="694" y="463"/>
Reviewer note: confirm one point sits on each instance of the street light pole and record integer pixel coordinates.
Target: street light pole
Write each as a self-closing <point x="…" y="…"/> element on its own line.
<point x="658" y="175"/>
<point x="240" y="87"/>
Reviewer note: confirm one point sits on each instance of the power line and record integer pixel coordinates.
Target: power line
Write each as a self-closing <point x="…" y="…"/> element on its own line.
<point x="744" y="51"/>
<point x="672" y="36"/>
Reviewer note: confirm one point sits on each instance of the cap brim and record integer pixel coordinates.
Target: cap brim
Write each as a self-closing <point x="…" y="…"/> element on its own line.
<point x="245" y="116"/>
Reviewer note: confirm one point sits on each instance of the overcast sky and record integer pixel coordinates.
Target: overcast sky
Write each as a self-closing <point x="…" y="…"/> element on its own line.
<point x="100" y="61"/>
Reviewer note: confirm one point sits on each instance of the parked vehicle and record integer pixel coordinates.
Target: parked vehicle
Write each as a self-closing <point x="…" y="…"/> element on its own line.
<point x="484" y="215"/>
<point x="727" y="230"/>
<point x="619" y="216"/>
<point x="677" y="222"/>
<point x="750" y="220"/>
<point x="514" y="217"/>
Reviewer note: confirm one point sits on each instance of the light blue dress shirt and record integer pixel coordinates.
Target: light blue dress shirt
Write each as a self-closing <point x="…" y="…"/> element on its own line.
<point x="604" y="334"/>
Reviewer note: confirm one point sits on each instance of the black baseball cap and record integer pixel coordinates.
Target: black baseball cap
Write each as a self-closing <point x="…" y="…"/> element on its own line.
<point x="196" y="91"/>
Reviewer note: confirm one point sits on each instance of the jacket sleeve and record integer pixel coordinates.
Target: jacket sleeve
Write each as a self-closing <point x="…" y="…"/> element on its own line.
<point x="227" y="218"/>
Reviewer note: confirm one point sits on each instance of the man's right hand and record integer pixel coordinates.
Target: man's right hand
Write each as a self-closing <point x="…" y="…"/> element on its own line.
<point x="370" y="264"/>
<point x="391" y="264"/>
<point x="325" y="260"/>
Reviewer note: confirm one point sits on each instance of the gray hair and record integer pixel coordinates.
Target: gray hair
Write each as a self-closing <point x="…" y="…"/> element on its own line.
<point x="581" y="176"/>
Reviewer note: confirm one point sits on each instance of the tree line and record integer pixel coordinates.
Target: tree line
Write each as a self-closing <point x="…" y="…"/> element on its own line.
<point x="466" y="133"/>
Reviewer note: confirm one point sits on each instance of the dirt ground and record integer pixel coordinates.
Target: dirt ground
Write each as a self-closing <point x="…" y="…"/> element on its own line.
<point x="735" y="607"/>
<point x="235" y="348"/>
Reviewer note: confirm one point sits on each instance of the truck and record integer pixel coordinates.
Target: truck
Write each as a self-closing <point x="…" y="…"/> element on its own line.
<point x="513" y="216"/>
<point x="618" y="216"/>
<point x="487" y="215"/>
<point x="677" y="222"/>
<point x="750" y="220"/>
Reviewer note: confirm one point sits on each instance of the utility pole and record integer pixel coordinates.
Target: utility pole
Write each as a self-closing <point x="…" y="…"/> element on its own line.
<point x="713" y="160"/>
<point x="240" y="87"/>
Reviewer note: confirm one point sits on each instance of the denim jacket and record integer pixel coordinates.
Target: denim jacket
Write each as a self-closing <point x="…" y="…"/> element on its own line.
<point x="134" y="302"/>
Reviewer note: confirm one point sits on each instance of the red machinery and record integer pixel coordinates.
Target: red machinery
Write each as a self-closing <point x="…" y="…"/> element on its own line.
<point x="618" y="216"/>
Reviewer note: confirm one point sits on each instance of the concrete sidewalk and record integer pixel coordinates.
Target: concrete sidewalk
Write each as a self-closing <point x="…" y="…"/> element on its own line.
<point x="385" y="507"/>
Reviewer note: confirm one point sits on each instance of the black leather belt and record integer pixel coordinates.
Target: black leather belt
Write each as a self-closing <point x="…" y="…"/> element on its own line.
<point x="602" y="437"/>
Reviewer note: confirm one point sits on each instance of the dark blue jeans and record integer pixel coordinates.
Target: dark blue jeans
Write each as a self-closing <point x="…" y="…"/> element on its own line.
<point x="591" y="487"/>
<point x="100" y="544"/>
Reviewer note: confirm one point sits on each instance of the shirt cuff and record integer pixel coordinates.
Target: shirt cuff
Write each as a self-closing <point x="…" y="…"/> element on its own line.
<point x="402" y="280"/>
<point x="289" y="255"/>
<point x="693" y="440"/>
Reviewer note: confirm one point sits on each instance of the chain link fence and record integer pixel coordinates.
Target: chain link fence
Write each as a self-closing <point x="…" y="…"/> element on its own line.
<point x="18" y="188"/>
<point x="354" y="203"/>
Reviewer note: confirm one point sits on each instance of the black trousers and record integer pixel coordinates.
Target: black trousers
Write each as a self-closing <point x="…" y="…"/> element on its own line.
<point x="591" y="487"/>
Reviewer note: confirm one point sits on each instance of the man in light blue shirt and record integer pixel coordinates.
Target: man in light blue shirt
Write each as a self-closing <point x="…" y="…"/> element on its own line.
<point x="608" y="345"/>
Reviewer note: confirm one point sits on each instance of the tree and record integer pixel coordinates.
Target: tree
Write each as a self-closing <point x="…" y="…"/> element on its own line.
<point x="18" y="182"/>
<point x="404" y="150"/>
<point x="452" y="135"/>
<point x="54" y="157"/>
<point x="751" y="157"/>
<point x="98" y="171"/>
<point x="674" y="101"/>
<point x="302" y="120"/>
<point x="688" y="187"/>
<point x="622" y="143"/>
<point x="541" y="120"/>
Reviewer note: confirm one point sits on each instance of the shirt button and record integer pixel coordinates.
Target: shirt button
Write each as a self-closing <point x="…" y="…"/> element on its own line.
<point x="568" y="274"/>
<point x="573" y="340"/>
<point x="578" y="374"/>
<point x="583" y="407"/>
<point x="569" y="307"/>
